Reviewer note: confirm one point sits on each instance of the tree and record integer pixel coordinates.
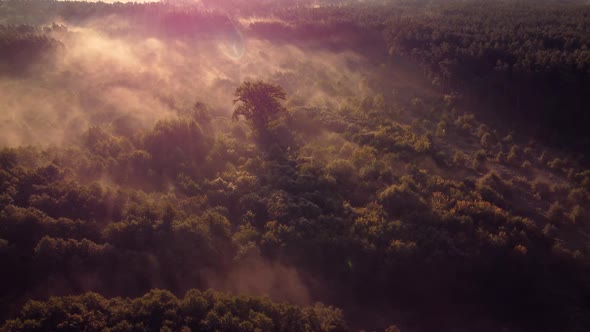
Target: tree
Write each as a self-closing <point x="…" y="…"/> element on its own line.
<point x="259" y="103"/>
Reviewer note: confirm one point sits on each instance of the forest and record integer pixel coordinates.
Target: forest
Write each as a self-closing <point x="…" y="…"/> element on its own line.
<point x="325" y="165"/>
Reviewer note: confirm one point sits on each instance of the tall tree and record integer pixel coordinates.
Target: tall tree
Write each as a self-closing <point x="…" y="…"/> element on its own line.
<point x="259" y="103"/>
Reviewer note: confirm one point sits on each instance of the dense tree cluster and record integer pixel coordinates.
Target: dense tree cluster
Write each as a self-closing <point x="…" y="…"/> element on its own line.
<point x="363" y="210"/>
<point x="160" y="310"/>
<point x="530" y="60"/>
<point x="24" y="45"/>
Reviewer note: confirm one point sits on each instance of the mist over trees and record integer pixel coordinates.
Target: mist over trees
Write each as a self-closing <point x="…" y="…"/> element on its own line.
<point x="304" y="166"/>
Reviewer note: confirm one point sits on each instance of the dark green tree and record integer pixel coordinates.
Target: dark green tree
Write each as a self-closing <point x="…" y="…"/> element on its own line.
<point x="259" y="103"/>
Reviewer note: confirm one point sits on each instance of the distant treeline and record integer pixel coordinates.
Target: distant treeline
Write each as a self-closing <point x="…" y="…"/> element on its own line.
<point x="527" y="61"/>
<point x="24" y="45"/>
<point x="146" y="18"/>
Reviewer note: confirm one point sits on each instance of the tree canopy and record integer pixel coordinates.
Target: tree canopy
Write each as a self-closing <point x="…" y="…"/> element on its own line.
<point x="259" y="103"/>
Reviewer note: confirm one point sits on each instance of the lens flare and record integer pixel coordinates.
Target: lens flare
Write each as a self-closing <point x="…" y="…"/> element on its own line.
<point x="232" y="43"/>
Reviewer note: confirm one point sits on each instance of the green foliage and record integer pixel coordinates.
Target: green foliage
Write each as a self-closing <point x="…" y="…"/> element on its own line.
<point x="259" y="103"/>
<point x="176" y="143"/>
<point x="160" y="310"/>
<point x="400" y="199"/>
<point x="576" y="214"/>
<point x="555" y="213"/>
<point x="486" y="140"/>
<point x="519" y="57"/>
<point x="392" y="328"/>
<point x="514" y="155"/>
<point x="24" y="46"/>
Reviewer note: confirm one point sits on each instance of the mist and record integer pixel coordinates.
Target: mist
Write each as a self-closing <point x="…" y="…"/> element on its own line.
<point x="110" y="74"/>
<point x="101" y="78"/>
